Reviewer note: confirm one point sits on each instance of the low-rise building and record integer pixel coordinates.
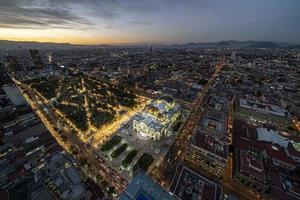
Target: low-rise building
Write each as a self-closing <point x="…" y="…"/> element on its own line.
<point x="249" y="170"/>
<point x="261" y="153"/>
<point x="14" y="94"/>
<point x="259" y="112"/>
<point x="189" y="185"/>
<point x="209" y="145"/>
<point x="61" y="178"/>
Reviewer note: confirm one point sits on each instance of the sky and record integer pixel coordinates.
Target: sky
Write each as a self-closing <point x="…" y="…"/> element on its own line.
<point x="149" y="21"/>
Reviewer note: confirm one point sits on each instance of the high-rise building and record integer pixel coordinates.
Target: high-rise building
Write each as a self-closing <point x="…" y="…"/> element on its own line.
<point x="36" y="58"/>
<point x="12" y="64"/>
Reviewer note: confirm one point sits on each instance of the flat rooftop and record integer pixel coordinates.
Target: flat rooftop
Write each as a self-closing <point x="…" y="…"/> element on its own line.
<point x="261" y="107"/>
<point x="211" y="134"/>
<point x="261" y="139"/>
<point x="188" y="185"/>
<point x="213" y="121"/>
<point x="217" y="103"/>
<point x="243" y="134"/>
<point x="212" y="124"/>
<point x="210" y="143"/>
<point x="142" y="187"/>
<point x="252" y="166"/>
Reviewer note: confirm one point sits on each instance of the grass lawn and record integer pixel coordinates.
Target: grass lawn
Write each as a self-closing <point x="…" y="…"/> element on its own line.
<point x="115" y="140"/>
<point x="119" y="150"/>
<point x="144" y="162"/>
<point x="129" y="158"/>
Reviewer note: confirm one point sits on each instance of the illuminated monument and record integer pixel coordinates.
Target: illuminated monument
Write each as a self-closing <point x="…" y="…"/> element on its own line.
<point x="157" y="119"/>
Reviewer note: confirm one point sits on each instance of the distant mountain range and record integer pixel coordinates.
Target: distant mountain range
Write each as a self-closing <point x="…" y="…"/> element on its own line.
<point x="7" y="44"/>
<point x="221" y="44"/>
<point x="237" y="44"/>
<point x="21" y="44"/>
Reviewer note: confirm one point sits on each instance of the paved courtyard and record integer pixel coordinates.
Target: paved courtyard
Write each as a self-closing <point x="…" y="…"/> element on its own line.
<point x="157" y="149"/>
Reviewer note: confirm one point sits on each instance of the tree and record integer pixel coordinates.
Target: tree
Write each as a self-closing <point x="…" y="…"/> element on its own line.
<point x="111" y="190"/>
<point x="82" y="161"/>
<point x="99" y="177"/>
<point x="64" y="138"/>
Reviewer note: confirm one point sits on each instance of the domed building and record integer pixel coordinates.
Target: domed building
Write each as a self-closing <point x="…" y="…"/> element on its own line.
<point x="157" y="119"/>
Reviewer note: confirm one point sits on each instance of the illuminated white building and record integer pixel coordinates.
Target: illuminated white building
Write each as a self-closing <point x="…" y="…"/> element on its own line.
<point x="157" y="119"/>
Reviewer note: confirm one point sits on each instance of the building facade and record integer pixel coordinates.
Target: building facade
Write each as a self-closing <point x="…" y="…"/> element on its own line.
<point x="260" y="112"/>
<point x="157" y="119"/>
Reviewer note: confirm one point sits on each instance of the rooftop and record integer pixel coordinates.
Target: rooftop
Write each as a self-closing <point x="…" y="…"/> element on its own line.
<point x="214" y="122"/>
<point x="211" y="134"/>
<point x="63" y="177"/>
<point x="261" y="107"/>
<point x="211" y="144"/>
<point x="149" y="121"/>
<point x="217" y="103"/>
<point x="142" y="187"/>
<point x="187" y="185"/>
<point x="14" y="94"/>
<point x="263" y="134"/>
<point x="252" y="165"/>
<point x="247" y="136"/>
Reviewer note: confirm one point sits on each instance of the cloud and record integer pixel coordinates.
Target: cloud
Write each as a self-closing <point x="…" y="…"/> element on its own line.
<point x="69" y="14"/>
<point x="83" y="14"/>
<point x="23" y="14"/>
<point x="127" y="24"/>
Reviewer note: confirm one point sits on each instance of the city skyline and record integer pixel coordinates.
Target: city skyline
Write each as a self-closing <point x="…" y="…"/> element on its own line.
<point x="149" y="99"/>
<point x="116" y="22"/>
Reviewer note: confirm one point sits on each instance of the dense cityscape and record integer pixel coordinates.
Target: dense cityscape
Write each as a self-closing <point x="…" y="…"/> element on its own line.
<point x="149" y="100"/>
<point x="204" y="123"/>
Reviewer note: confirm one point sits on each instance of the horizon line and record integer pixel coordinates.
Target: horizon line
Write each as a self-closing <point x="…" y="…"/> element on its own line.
<point x="144" y="43"/>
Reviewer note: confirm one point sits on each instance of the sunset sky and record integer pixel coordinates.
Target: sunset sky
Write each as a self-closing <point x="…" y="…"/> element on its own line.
<point x="142" y="21"/>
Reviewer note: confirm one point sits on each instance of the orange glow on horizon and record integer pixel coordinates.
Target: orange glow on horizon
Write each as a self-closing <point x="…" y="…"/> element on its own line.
<point x="83" y="37"/>
<point x="70" y="40"/>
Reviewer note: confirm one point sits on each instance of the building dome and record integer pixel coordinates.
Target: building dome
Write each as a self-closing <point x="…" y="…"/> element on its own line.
<point x="153" y="110"/>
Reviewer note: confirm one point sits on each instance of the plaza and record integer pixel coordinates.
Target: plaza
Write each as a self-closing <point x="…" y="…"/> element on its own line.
<point x="144" y="146"/>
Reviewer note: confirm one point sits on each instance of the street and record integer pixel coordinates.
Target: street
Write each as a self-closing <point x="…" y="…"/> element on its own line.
<point x="73" y="140"/>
